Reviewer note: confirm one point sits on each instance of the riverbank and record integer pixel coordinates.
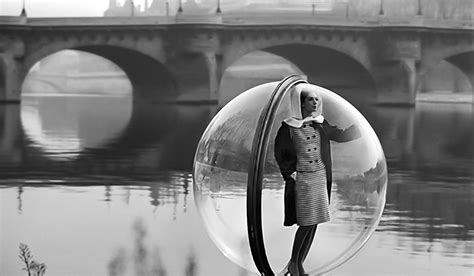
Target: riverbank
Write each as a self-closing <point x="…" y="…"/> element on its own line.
<point x="445" y="97"/>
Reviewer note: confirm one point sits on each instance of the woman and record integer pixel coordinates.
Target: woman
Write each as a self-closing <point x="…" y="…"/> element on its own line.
<point x="302" y="146"/>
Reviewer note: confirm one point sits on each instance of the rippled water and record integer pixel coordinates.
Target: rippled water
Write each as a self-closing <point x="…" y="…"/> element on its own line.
<point x="97" y="186"/>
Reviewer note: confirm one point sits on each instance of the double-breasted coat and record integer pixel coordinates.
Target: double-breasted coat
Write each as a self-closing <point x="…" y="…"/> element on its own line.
<point x="286" y="157"/>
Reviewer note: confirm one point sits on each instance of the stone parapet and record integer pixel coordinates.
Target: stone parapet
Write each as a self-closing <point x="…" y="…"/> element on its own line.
<point x="243" y="19"/>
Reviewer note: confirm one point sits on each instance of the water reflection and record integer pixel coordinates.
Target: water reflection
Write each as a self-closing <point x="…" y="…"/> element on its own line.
<point x="89" y="202"/>
<point x="430" y="158"/>
<point x="99" y="219"/>
<point x="144" y="262"/>
<point x="61" y="127"/>
<point x="153" y="137"/>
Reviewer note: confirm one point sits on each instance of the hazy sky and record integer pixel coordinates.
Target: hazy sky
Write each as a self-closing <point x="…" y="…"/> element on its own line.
<point x="58" y="8"/>
<point x="71" y="8"/>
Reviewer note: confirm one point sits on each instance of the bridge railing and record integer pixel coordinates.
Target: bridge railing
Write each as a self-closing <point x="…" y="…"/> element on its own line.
<point x="242" y="19"/>
<point x="414" y="21"/>
<point x="90" y="21"/>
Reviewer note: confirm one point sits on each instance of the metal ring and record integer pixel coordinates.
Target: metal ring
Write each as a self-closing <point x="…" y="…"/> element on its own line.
<point x="255" y="175"/>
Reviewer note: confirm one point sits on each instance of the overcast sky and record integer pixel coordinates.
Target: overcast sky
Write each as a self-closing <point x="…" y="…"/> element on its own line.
<point x="58" y="8"/>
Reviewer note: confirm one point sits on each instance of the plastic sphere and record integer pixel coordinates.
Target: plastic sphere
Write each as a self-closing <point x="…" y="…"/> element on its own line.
<point x="222" y="167"/>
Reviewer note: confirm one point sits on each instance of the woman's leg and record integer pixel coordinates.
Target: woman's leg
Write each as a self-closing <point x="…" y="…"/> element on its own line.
<point x="298" y="248"/>
<point x="308" y="242"/>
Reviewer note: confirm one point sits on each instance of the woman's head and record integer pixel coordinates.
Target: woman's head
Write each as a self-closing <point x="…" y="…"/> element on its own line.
<point x="305" y="105"/>
<point x="310" y="101"/>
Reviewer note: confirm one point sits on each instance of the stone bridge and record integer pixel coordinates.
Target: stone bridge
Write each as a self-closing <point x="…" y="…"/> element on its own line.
<point x="183" y="58"/>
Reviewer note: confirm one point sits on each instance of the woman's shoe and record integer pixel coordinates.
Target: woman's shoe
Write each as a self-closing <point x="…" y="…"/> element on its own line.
<point x="288" y="273"/>
<point x="292" y="270"/>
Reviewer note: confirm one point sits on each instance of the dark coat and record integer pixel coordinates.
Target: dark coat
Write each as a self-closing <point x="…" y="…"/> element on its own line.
<point x="285" y="155"/>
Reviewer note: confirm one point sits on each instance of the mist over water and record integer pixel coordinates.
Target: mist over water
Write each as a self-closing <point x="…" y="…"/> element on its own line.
<point x="95" y="185"/>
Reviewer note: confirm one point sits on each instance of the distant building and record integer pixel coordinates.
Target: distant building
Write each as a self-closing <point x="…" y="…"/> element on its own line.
<point x="156" y="8"/>
<point x="170" y="7"/>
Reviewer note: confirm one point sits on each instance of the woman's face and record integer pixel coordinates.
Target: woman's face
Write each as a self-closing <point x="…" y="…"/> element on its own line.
<point x="310" y="103"/>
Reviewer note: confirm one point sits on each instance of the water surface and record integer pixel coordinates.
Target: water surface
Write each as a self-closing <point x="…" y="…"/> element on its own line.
<point x="98" y="186"/>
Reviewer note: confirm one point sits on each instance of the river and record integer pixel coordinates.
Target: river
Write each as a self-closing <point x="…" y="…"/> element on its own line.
<point x="97" y="186"/>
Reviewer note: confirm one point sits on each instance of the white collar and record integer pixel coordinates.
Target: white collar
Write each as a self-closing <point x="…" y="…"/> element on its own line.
<point x="294" y="122"/>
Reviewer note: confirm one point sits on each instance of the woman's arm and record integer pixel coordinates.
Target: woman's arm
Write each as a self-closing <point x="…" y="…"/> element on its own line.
<point x="285" y="154"/>
<point x="342" y="135"/>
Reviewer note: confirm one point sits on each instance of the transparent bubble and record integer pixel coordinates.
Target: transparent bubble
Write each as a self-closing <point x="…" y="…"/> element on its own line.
<point x="223" y="164"/>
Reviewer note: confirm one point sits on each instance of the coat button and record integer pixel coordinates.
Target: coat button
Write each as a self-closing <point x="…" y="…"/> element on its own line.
<point x="315" y="148"/>
<point x="314" y="136"/>
<point x="307" y="138"/>
<point x="310" y="162"/>
<point x="309" y="149"/>
<point x="316" y="160"/>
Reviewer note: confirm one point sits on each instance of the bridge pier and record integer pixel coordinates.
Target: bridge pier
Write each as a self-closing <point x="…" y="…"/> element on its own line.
<point x="197" y="76"/>
<point x="11" y="79"/>
<point x="396" y="82"/>
<point x="214" y="67"/>
<point x="12" y="52"/>
<point x="395" y="73"/>
<point x="11" y="152"/>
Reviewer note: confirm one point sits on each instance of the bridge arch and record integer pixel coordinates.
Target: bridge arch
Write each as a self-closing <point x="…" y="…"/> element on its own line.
<point x="461" y="55"/>
<point x="465" y="62"/>
<point x="151" y="80"/>
<point x="353" y="45"/>
<point x="335" y="64"/>
<point x="3" y="81"/>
